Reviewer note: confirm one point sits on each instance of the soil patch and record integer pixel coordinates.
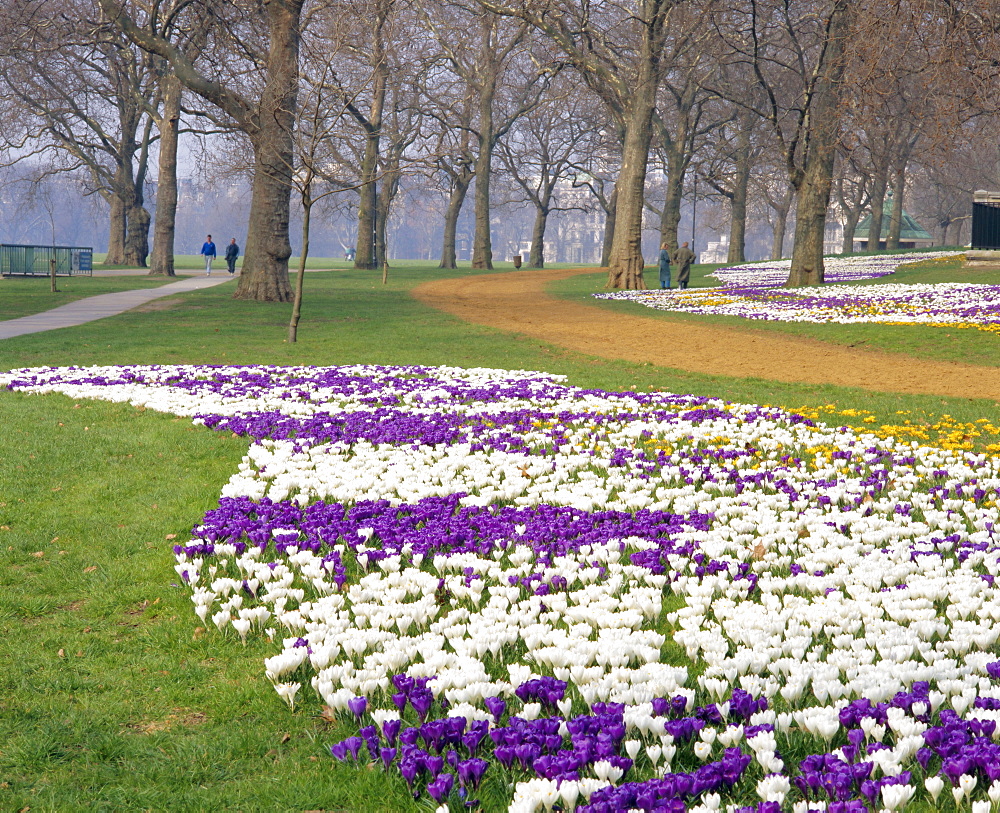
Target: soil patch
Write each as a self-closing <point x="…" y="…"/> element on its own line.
<point x="516" y="301"/>
<point x="159" y="305"/>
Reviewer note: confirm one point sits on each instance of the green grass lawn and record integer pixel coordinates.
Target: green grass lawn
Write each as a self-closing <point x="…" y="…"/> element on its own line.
<point x="112" y="697"/>
<point x="966" y="345"/>
<point x="23" y="296"/>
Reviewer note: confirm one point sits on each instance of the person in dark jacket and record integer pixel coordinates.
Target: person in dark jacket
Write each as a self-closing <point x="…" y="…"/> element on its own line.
<point x="683" y="258"/>
<point x="232" y="252"/>
<point x="665" y="266"/>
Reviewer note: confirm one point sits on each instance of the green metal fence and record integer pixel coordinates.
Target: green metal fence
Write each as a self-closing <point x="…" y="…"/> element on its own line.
<point x="35" y="261"/>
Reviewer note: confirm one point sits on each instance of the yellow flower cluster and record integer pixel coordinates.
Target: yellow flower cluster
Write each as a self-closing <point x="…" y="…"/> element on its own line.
<point x="952" y="259"/>
<point x="943" y="431"/>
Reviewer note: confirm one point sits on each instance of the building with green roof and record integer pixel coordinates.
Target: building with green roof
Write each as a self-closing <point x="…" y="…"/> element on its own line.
<point x="911" y="235"/>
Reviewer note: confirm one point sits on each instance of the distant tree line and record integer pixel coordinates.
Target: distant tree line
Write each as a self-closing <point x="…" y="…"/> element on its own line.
<point x="779" y="108"/>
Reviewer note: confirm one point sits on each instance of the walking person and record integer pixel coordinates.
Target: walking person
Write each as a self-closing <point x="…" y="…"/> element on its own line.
<point x="665" y="266"/>
<point x="232" y="252"/>
<point x="208" y="251"/>
<point x="683" y="258"/>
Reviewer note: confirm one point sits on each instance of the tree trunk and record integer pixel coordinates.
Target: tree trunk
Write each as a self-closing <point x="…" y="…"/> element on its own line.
<point x="781" y="224"/>
<point x="536" y="258"/>
<point x="878" y="204"/>
<point x="482" y="243"/>
<point x="896" y="219"/>
<point x="670" y="218"/>
<point x="386" y="196"/>
<point x="116" y="233"/>
<point x="137" y="237"/>
<point x="162" y="261"/>
<point x="738" y="202"/>
<point x="293" y="325"/>
<point x="816" y="180"/>
<point x="366" y="255"/>
<point x="451" y="214"/>
<point x="851" y="218"/>
<point x="137" y="229"/>
<point x="810" y="229"/>
<point x="626" y="262"/>
<point x="265" y="262"/>
<point x="609" y="228"/>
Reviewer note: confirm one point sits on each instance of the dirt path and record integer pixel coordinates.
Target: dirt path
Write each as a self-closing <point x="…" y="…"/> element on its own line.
<point x="516" y="302"/>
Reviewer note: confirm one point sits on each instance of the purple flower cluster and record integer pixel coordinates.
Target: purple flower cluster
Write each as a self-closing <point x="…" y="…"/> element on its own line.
<point x="674" y="790"/>
<point x="438" y="525"/>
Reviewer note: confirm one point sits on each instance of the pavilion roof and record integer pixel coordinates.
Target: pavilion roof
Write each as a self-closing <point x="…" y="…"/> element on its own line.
<point x="911" y="230"/>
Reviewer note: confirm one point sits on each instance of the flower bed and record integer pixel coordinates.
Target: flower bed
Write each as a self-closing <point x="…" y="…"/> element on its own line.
<point x="952" y="304"/>
<point x="753" y="292"/>
<point x="836" y="269"/>
<point x="569" y="598"/>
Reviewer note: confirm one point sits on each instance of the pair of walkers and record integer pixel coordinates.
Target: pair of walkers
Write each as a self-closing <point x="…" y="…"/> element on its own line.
<point x="682" y="258"/>
<point x="208" y="252"/>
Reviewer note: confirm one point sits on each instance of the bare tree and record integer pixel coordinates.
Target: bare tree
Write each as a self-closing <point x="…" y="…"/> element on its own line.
<point x="259" y="97"/>
<point x="853" y="188"/>
<point x="454" y="157"/>
<point x="85" y="94"/>
<point x="618" y="49"/>
<point x="541" y="154"/>
<point x="798" y="54"/>
<point x="505" y="81"/>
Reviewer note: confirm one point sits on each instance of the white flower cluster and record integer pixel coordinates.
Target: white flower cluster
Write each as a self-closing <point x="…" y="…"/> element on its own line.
<point x="939" y="304"/>
<point x="836" y="268"/>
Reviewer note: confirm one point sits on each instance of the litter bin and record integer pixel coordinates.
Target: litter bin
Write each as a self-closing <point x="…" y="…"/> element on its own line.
<point x="517" y="261"/>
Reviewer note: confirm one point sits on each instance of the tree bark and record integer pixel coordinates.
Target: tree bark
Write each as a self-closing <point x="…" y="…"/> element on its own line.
<point x="116" y="232"/>
<point x="879" y="186"/>
<point x="609" y="228"/>
<point x="293" y="324"/>
<point x="816" y="179"/>
<point x="451" y="215"/>
<point x="384" y="201"/>
<point x="781" y="224"/>
<point x="137" y="236"/>
<point x="536" y="257"/>
<point x="851" y="219"/>
<point x="738" y="201"/>
<point x="265" y="261"/>
<point x="738" y="217"/>
<point x="896" y="218"/>
<point x="670" y="218"/>
<point x="268" y="122"/>
<point x="366" y="255"/>
<point x="810" y="226"/>
<point x="482" y="243"/>
<point x="164" y="228"/>
<point x="625" y="265"/>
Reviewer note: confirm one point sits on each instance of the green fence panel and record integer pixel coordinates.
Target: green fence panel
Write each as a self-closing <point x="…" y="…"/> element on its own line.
<point x="34" y="261"/>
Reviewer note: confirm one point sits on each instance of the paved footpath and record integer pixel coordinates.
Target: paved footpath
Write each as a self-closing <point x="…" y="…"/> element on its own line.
<point x="98" y="307"/>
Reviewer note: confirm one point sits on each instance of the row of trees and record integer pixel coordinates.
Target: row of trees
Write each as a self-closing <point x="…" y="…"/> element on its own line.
<point x="794" y="103"/>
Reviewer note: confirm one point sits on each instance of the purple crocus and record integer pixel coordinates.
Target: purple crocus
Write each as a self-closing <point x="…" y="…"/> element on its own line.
<point x="358" y="706"/>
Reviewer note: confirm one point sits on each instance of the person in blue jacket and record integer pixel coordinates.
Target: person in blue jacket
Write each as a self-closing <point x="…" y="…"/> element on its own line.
<point x="208" y="251"/>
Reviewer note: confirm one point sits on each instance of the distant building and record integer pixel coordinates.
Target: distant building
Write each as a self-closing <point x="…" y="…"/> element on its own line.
<point x="911" y="235"/>
<point x="716" y="251"/>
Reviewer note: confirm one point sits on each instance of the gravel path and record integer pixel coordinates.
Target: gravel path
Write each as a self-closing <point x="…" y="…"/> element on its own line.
<point x="517" y="302"/>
